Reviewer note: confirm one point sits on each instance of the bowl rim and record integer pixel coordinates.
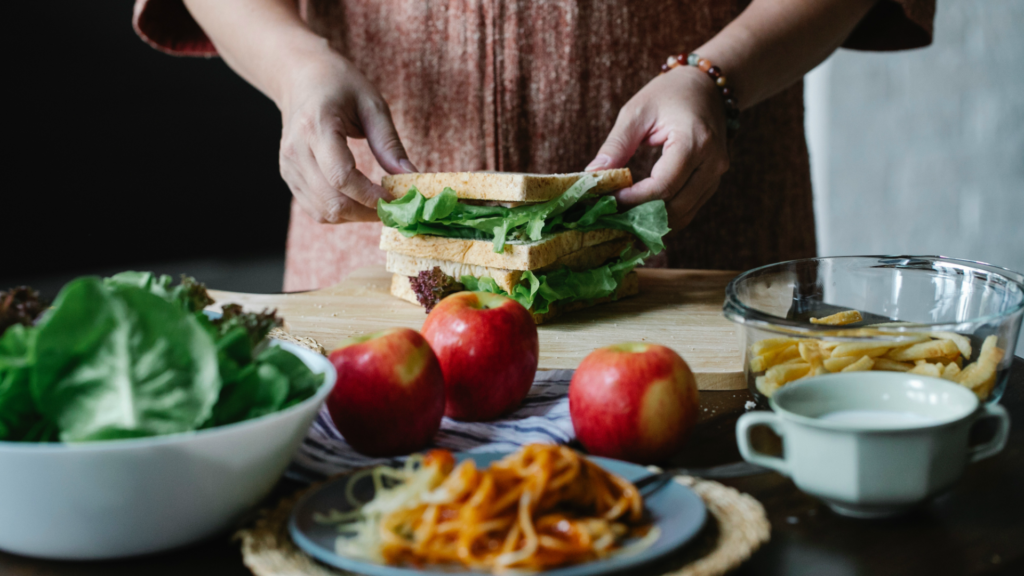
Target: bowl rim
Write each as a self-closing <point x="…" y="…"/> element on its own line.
<point x="740" y="313"/>
<point x="307" y="356"/>
<point x="889" y="379"/>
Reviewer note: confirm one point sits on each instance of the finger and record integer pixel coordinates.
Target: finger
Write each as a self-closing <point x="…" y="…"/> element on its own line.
<point x="698" y="191"/>
<point x="669" y="175"/>
<point x="379" y="128"/>
<point x="311" y="203"/>
<point x="297" y="185"/>
<point x="630" y="129"/>
<point x="316" y="196"/>
<point x="334" y="161"/>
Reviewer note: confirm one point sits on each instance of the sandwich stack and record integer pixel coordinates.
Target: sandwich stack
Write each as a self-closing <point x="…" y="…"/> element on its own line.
<point x="554" y="243"/>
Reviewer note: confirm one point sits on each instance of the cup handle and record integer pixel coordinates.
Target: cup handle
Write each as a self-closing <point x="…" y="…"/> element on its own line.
<point x="996" y="444"/>
<point x="743" y="426"/>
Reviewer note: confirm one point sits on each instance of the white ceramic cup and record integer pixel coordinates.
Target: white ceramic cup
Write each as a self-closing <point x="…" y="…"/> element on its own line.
<point x="873" y="444"/>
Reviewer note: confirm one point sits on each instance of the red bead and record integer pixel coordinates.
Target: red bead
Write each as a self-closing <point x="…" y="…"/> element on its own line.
<point x="714" y="72"/>
<point x="726" y="91"/>
<point x="664" y="68"/>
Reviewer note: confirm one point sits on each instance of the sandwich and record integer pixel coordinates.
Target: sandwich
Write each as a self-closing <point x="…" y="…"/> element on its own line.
<point x="553" y="243"/>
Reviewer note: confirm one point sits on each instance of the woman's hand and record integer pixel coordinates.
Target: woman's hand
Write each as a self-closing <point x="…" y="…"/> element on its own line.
<point x="323" y="102"/>
<point x="682" y="112"/>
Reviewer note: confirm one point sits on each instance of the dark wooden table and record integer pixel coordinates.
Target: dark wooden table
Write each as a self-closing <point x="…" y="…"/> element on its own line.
<point x="977" y="528"/>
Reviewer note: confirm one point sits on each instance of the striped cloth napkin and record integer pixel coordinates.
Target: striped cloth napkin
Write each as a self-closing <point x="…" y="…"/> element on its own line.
<point x="543" y="417"/>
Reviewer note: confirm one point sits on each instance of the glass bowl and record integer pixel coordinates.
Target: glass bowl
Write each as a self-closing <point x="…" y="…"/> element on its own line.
<point x="912" y="310"/>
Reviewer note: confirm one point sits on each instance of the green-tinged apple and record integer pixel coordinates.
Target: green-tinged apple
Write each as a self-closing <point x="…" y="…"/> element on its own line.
<point x="488" y="349"/>
<point x="389" y="397"/>
<point x="633" y="401"/>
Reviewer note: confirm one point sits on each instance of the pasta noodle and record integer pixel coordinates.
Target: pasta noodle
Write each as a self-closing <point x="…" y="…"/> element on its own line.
<point x="541" y="507"/>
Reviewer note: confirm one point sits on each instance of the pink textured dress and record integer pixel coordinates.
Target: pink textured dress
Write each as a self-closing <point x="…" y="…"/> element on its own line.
<point x="534" y="86"/>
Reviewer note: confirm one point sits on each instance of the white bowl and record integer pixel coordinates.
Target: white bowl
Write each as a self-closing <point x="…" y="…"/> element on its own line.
<point x="122" y="498"/>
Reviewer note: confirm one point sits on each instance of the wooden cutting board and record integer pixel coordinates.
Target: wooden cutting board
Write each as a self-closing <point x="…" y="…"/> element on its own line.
<point x="681" y="309"/>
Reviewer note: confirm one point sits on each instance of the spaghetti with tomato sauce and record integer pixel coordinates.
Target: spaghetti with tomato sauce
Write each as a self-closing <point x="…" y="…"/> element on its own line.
<point x="539" y="508"/>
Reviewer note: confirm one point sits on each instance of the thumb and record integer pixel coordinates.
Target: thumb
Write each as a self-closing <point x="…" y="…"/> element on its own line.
<point x="629" y="131"/>
<point x="383" y="138"/>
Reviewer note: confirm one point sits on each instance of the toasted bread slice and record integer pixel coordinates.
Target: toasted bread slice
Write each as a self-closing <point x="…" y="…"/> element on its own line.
<point x="589" y="257"/>
<point x="516" y="256"/>
<point x="401" y="287"/>
<point x="503" y="186"/>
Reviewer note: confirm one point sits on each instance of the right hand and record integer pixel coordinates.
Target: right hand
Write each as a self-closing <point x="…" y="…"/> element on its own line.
<point x="324" y="103"/>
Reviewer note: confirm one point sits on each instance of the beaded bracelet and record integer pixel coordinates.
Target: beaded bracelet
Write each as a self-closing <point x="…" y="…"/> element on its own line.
<point x="732" y="110"/>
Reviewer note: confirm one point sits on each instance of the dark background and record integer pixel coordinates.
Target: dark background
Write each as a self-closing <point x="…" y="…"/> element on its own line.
<point x="120" y="156"/>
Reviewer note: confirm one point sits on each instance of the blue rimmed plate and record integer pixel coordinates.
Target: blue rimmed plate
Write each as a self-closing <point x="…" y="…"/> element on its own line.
<point x="676" y="510"/>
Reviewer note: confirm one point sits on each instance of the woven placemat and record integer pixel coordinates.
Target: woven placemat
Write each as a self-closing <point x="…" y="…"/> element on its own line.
<point x="736" y="527"/>
<point x="304" y="341"/>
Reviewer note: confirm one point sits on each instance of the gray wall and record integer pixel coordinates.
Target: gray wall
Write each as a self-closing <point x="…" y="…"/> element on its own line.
<point x="922" y="151"/>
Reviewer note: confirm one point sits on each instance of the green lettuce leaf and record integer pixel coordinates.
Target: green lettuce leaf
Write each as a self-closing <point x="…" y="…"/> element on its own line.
<point x="189" y="294"/>
<point x="18" y="413"/>
<point x="302" y="382"/>
<point x="260" y="389"/>
<point x="443" y="215"/>
<point x="121" y="361"/>
<point x="538" y="292"/>
<point x="647" y="221"/>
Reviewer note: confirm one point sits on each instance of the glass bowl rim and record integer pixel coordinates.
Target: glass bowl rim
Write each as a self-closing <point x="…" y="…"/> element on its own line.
<point x="740" y="313"/>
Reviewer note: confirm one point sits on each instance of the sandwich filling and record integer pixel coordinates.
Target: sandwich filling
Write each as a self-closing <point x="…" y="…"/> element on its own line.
<point x="445" y="216"/>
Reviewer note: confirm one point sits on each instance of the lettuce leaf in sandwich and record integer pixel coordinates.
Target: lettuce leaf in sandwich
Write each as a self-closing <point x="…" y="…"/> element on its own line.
<point x="443" y="215"/>
<point x="537" y="292"/>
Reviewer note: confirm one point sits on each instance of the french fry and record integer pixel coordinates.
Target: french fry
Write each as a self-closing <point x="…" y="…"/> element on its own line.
<point x="810" y="353"/>
<point x="962" y="343"/>
<point x="891" y="365"/>
<point x="990" y="351"/>
<point x="926" y="369"/>
<point x="785" y="373"/>
<point x="778" y="355"/>
<point x="858" y="349"/>
<point x="764" y="387"/>
<point x="766" y="360"/>
<point x="985" y="388"/>
<point x="924" y="350"/>
<point x="839" y="318"/>
<point x="865" y="363"/>
<point x="837" y="364"/>
<point x="938" y="354"/>
<point x="791" y="353"/>
<point x="760" y="363"/>
<point x="949" y="358"/>
<point x="980" y="376"/>
<point x="770" y="345"/>
<point x="950" y="372"/>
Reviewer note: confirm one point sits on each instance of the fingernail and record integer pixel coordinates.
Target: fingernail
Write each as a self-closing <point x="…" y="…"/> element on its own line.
<point x="407" y="166"/>
<point x="601" y="161"/>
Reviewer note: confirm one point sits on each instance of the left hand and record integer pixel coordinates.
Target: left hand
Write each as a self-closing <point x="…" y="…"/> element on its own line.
<point x="682" y="112"/>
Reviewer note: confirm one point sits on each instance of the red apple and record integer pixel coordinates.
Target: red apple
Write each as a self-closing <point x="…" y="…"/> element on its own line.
<point x="634" y="401"/>
<point x="389" y="397"/>
<point x="488" y="349"/>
